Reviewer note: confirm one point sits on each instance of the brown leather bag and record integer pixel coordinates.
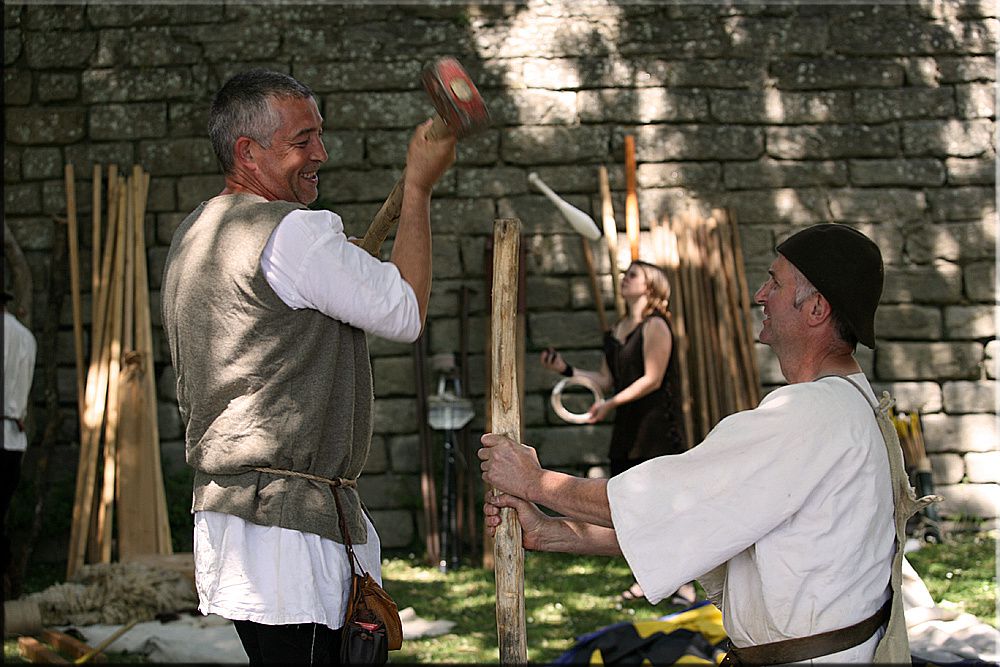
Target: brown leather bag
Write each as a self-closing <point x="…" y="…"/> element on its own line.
<point x="368" y="605"/>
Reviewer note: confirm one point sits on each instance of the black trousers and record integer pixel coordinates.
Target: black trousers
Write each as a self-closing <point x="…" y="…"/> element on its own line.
<point x="299" y="643"/>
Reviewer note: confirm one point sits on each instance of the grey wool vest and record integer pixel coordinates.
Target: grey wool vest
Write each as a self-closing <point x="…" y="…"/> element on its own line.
<point x="260" y="385"/>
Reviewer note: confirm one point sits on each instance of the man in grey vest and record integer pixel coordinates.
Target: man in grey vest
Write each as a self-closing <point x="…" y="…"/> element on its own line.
<point x="791" y="515"/>
<point x="266" y="306"/>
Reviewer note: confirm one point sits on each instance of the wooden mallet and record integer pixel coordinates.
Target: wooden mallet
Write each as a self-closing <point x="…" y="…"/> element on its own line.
<point x="460" y="112"/>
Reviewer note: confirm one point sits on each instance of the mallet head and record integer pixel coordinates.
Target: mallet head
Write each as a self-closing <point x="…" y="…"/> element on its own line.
<point x="455" y="97"/>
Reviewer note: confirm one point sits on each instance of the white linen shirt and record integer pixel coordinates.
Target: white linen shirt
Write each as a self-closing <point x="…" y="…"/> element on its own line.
<point x="273" y="575"/>
<point x="19" y="348"/>
<point x="784" y="513"/>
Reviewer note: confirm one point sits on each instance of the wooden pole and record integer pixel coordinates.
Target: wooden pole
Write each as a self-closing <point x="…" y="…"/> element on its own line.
<point x="74" y="284"/>
<point x="95" y="239"/>
<point x="595" y="288"/>
<point x="631" y="198"/>
<point x="611" y="239"/>
<point x="508" y="550"/>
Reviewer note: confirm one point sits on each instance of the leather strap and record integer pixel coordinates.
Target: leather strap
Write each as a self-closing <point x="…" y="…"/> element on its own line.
<point x="813" y="646"/>
<point x="20" y="424"/>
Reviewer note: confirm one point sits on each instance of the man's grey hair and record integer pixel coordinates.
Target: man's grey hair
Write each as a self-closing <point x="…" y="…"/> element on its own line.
<point x="242" y="108"/>
<point x="805" y="289"/>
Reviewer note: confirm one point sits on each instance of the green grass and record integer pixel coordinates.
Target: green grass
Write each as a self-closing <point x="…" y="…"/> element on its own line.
<point x="567" y="596"/>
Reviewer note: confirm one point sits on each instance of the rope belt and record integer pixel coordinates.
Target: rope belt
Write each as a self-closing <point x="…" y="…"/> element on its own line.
<point x="335" y="482"/>
<point x="813" y="646"/>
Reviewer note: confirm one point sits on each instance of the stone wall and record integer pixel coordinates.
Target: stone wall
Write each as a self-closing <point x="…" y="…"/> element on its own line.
<point x="879" y="116"/>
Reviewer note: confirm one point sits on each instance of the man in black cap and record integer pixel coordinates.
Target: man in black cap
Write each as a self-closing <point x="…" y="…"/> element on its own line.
<point x="791" y="514"/>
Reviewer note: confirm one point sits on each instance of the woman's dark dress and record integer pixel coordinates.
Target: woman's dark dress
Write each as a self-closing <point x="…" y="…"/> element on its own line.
<point x="653" y="425"/>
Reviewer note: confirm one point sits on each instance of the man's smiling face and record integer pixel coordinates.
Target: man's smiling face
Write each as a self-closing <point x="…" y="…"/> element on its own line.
<point x="287" y="169"/>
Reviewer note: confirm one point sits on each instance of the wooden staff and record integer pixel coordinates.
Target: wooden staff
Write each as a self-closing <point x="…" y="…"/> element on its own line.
<point x="96" y="396"/>
<point x="595" y="287"/>
<point x="751" y="372"/>
<point x="105" y="510"/>
<point x="631" y="198"/>
<point x="508" y="550"/>
<point x="611" y="239"/>
<point x="95" y="238"/>
<point x="74" y="284"/>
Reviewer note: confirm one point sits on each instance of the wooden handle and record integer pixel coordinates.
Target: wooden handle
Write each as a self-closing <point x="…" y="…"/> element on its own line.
<point x="388" y="215"/>
<point x="508" y="551"/>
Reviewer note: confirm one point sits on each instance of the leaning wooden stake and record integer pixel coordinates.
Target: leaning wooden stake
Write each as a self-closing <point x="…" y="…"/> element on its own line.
<point x="74" y="282"/>
<point x="508" y="551"/>
<point x="611" y="238"/>
<point x="631" y="198"/>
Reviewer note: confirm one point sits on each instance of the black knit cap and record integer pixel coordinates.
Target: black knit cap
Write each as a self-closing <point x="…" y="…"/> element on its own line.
<point x="846" y="267"/>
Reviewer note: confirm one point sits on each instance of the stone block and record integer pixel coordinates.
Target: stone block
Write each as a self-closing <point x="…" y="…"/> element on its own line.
<point x="876" y="204"/>
<point x="937" y="283"/>
<point x="788" y="206"/>
<point x="953" y="242"/>
<point x="444" y="335"/>
<point x="128" y="121"/>
<point x="910" y="36"/>
<point x="947" y="468"/>
<point x="12" y="164"/>
<point x="565" y="330"/>
<point x="189" y="119"/>
<point x="462" y="216"/>
<point x="823" y="142"/>
<point x="963" y="203"/>
<point x="970" y="171"/>
<point x="768" y="173"/>
<point x="22" y="199"/>
<point x="908" y="322"/>
<point x="534" y="107"/>
<point x="962" y="433"/>
<point x="120" y="153"/>
<point x="168" y="418"/>
<point x="166" y="385"/>
<point x="983" y="467"/>
<point x="192" y="190"/>
<point x="571" y="445"/>
<point x="879" y="106"/>
<point x="58" y="87"/>
<point x="53" y="17"/>
<point x="341" y="76"/>
<point x="479" y="149"/>
<point x="828" y="73"/>
<point x="38" y="163"/>
<point x="948" y="138"/>
<point x="393" y="376"/>
<point x="45" y="125"/>
<point x="933" y="361"/>
<point x="16" y="87"/>
<point x="404" y="453"/>
<point x="957" y="69"/>
<point x="992" y="359"/>
<point x="13" y="45"/>
<point x="969" y="500"/>
<point x="554" y="144"/>
<point x="660" y="143"/>
<point x="922" y="396"/>
<point x="970" y="397"/>
<point x="377" y="459"/>
<point x="389" y="491"/>
<point x="773" y="107"/>
<point x="677" y="174"/>
<point x="637" y="105"/>
<point x="395" y="528"/>
<point x="962" y="322"/>
<point x="162" y="195"/>
<point x="61" y="49"/>
<point x="178" y="157"/>
<point x="445" y="255"/>
<point x="154" y="83"/>
<point x="921" y="71"/>
<point x="346" y="149"/>
<point x="981" y="281"/>
<point x="378" y="110"/>
<point x="976" y="100"/>
<point x="491" y="181"/>
<point x="158" y="46"/>
<point x="395" y="415"/>
<point x="710" y="73"/>
<point x="353" y="185"/>
<point x="913" y="173"/>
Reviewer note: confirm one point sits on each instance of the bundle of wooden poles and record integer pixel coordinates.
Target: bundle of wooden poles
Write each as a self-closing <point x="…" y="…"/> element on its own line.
<point x="710" y="308"/>
<point x="119" y="478"/>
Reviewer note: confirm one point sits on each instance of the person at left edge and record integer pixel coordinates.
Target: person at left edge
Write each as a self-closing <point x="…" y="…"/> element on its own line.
<point x="266" y="306"/>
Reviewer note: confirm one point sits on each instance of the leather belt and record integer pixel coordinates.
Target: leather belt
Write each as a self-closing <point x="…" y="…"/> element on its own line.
<point x="813" y="646"/>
